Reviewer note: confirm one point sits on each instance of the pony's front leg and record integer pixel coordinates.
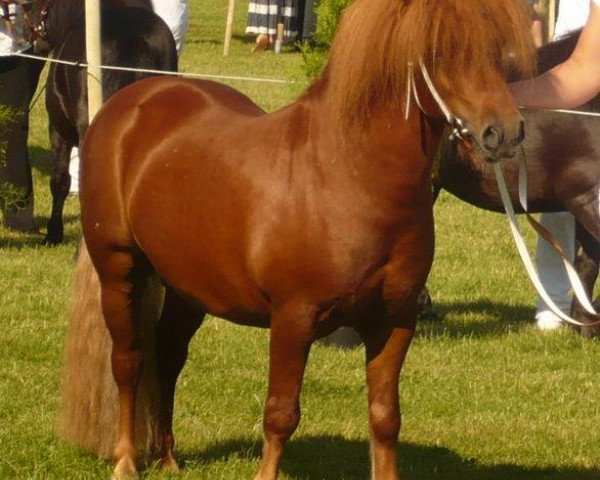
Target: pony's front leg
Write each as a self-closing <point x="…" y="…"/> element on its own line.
<point x="386" y="347"/>
<point x="292" y="329"/>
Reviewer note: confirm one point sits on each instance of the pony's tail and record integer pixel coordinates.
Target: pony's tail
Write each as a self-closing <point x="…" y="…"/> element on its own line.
<point x="88" y="413"/>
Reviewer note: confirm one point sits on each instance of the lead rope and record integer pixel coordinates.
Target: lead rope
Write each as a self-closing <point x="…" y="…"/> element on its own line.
<point x="578" y="289"/>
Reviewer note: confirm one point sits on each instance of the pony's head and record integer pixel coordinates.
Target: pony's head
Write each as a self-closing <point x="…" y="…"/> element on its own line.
<point x="466" y="46"/>
<point x="38" y="24"/>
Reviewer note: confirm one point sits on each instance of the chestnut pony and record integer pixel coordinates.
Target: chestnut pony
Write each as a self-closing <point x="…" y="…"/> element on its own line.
<point x="302" y="220"/>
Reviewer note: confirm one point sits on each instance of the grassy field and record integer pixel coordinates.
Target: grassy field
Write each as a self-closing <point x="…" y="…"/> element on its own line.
<point x="485" y="396"/>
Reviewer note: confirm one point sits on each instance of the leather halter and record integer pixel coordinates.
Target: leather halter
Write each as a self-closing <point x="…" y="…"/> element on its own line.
<point x="459" y="129"/>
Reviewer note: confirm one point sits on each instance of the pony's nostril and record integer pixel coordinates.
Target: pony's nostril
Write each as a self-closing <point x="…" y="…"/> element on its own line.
<point x="492" y="137"/>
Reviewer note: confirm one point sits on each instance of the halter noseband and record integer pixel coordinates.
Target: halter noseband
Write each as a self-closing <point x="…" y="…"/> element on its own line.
<point x="459" y="129"/>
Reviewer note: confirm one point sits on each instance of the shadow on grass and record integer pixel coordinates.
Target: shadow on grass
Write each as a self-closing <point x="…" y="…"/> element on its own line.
<point x="336" y="458"/>
<point x="203" y="41"/>
<point x="18" y="241"/>
<point x="501" y="319"/>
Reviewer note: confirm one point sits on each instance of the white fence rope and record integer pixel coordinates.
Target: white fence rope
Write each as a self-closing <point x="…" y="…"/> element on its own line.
<point x="218" y="77"/>
<point x="569" y="112"/>
<point x="157" y="72"/>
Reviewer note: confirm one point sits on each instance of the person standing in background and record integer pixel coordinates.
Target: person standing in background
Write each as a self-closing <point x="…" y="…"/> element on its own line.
<point x="263" y="17"/>
<point x="572" y="15"/>
<point x="176" y="14"/>
<point x="18" y="82"/>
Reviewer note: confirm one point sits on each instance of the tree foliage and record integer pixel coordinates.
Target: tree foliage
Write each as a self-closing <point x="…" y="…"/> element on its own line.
<point x="10" y="196"/>
<point x="328" y="13"/>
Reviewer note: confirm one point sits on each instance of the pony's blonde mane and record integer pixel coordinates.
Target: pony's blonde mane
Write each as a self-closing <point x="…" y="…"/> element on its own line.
<point x="378" y="39"/>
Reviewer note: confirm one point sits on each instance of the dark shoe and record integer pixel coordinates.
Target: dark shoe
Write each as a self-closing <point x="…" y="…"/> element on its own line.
<point x="24" y="226"/>
<point x="21" y="220"/>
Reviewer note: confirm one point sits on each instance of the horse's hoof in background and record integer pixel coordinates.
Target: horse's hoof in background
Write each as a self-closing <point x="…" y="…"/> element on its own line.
<point x="52" y="240"/>
<point x="54" y="236"/>
<point x="592" y="331"/>
<point x="426" y="310"/>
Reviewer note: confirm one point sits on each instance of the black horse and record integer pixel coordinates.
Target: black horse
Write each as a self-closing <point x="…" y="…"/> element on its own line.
<point x="132" y="35"/>
<point x="562" y="154"/>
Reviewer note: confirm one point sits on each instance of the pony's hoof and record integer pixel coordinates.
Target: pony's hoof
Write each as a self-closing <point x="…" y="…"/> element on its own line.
<point x="168" y="464"/>
<point x="124" y="470"/>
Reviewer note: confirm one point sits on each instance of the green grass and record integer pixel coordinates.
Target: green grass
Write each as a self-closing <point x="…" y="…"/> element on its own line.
<point x="484" y="394"/>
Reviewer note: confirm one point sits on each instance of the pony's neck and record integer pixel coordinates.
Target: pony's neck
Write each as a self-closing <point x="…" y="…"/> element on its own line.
<point x="382" y="154"/>
<point x="386" y="125"/>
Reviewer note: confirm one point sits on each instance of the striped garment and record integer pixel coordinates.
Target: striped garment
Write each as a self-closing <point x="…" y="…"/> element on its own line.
<point x="263" y="17"/>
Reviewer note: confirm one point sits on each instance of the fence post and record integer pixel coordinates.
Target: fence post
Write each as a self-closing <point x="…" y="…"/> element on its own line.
<point x="551" y="19"/>
<point x="229" y="27"/>
<point x="93" y="56"/>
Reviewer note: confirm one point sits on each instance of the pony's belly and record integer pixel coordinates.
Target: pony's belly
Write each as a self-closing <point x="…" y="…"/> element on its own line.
<point x="221" y="291"/>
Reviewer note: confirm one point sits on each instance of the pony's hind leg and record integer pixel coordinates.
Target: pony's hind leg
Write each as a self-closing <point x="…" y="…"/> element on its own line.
<point x="292" y="329"/>
<point x="123" y="277"/>
<point x="386" y="346"/>
<point x="179" y="322"/>
<point x="59" y="186"/>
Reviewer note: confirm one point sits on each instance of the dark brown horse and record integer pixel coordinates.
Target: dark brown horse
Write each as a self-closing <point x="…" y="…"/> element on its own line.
<point x="302" y="220"/>
<point x="561" y="152"/>
<point x="132" y="36"/>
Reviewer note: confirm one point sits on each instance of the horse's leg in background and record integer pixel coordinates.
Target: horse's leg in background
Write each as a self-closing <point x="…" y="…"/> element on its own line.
<point x="386" y="345"/>
<point x="59" y="185"/>
<point x="426" y="309"/>
<point x="587" y="262"/>
<point x="123" y="278"/>
<point x="292" y="328"/>
<point x="179" y="322"/>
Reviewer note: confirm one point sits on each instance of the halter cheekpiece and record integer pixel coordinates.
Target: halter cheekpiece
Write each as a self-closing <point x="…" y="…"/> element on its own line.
<point x="459" y="130"/>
